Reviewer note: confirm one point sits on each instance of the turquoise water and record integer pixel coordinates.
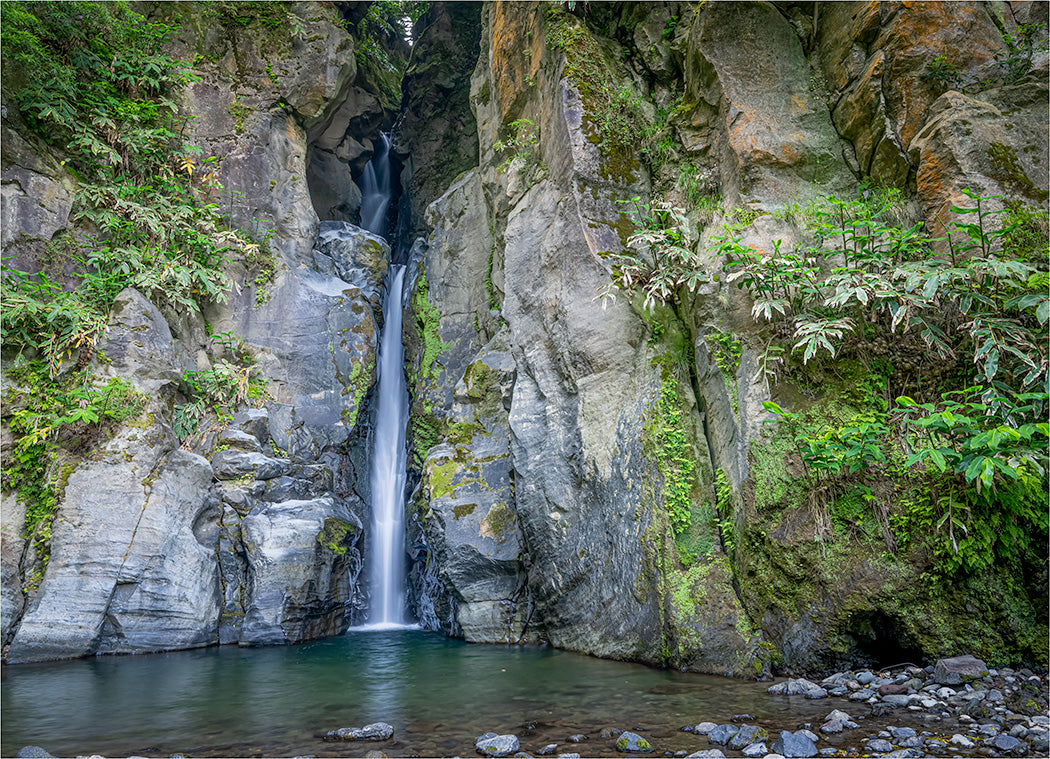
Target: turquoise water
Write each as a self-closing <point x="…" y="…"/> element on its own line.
<point x="439" y="694"/>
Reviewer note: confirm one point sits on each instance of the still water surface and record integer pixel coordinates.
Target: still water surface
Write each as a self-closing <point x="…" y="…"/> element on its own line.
<point x="439" y="694"/>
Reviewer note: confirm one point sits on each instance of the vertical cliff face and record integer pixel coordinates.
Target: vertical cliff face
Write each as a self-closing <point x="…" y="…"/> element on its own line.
<point x="597" y="457"/>
<point x="746" y="115"/>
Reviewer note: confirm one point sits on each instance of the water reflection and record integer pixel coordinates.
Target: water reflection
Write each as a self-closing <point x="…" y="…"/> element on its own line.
<point x="439" y="694"/>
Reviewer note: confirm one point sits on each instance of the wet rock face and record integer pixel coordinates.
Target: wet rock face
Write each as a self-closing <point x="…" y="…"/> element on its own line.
<point x="36" y="194"/>
<point x="437" y="133"/>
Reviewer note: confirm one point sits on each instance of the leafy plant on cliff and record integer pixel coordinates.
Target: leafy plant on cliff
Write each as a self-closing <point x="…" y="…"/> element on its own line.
<point x="661" y="260"/>
<point x="216" y="392"/>
<point x="978" y="447"/>
<point x="49" y="416"/>
<point x="614" y="113"/>
<point x="674" y="456"/>
<point x="520" y="144"/>
<point x="90" y="79"/>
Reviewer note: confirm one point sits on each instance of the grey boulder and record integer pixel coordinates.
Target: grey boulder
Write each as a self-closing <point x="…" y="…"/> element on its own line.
<point x="794" y="745"/>
<point x="633" y="743"/>
<point x="492" y="744"/>
<point x="958" y="669"/>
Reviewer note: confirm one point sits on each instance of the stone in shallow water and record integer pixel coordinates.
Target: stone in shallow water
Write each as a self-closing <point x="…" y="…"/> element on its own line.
<point x="797" y="687"/>
<point x="547" y="750"/>
<point x="880" y="746"/>
<point x="704" y="728"/>
<point x="35" y="752"/>
<point x="377" y="731"/>
<point x="722" y="734"/>
<point x="710" y="753"/>
<point x="900" y="733"/>
<point x="633" y="743"/>
<point x="754" y="750"/>
<point x="491" y="744"/>
<point x="747" y="735"/>
<point x="961" y="741"/>
<point x="794" y="745"/>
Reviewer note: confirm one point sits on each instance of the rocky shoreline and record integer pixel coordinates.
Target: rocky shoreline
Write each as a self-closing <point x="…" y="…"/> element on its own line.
<point x="958" y="707"/>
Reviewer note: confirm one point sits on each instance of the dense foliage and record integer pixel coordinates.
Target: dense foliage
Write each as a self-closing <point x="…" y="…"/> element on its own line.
<point x="92" y="80"/>
<point x="974" y="301"/>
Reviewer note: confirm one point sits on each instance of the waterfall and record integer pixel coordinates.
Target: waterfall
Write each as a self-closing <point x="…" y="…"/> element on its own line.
<point x="375" y="189"/>
<point x="386" y="548"/>
<point x="389" y="457"/>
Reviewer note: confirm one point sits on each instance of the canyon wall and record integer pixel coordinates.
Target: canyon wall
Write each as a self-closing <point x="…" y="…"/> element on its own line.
<point x="586" y="470"/>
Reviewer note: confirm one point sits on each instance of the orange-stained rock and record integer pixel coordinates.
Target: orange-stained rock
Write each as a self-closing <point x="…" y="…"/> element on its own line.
<point x="747" y="74"/>
<point x="517" y="47"/>
<point x="963" y="33"/>
<point x="968" y="143"/>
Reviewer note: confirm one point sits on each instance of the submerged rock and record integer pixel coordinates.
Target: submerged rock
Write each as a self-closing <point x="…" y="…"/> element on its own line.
<point x="33" y="752"/>
<point x="377" y="731"/>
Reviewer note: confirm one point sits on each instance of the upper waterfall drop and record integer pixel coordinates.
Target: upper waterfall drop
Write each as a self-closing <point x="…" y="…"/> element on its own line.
<point x="376" y="190"/>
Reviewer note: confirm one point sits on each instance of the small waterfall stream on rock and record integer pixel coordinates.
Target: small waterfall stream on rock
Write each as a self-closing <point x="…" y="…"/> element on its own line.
<point x="386" y="552"/>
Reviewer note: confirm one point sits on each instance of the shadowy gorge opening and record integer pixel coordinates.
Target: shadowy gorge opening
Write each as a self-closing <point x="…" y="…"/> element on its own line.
<point x="880" y="641"/>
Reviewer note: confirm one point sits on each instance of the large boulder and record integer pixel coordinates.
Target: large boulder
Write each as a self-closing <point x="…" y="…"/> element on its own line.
<point x="299" y="579"/>
<point x="132" y="566"/>
<point x="959" y="669"/>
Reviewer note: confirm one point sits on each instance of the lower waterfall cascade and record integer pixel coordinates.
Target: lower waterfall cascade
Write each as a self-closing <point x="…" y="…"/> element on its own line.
<point x="386" y="553"/>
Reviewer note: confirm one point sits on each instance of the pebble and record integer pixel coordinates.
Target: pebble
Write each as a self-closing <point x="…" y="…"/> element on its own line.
<point x="547" y="750"/>
<point x="753" y="750"/>
<point x="711" y="753"/>
<point x="704" y="728"/>
<point x="879" y="746"/>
